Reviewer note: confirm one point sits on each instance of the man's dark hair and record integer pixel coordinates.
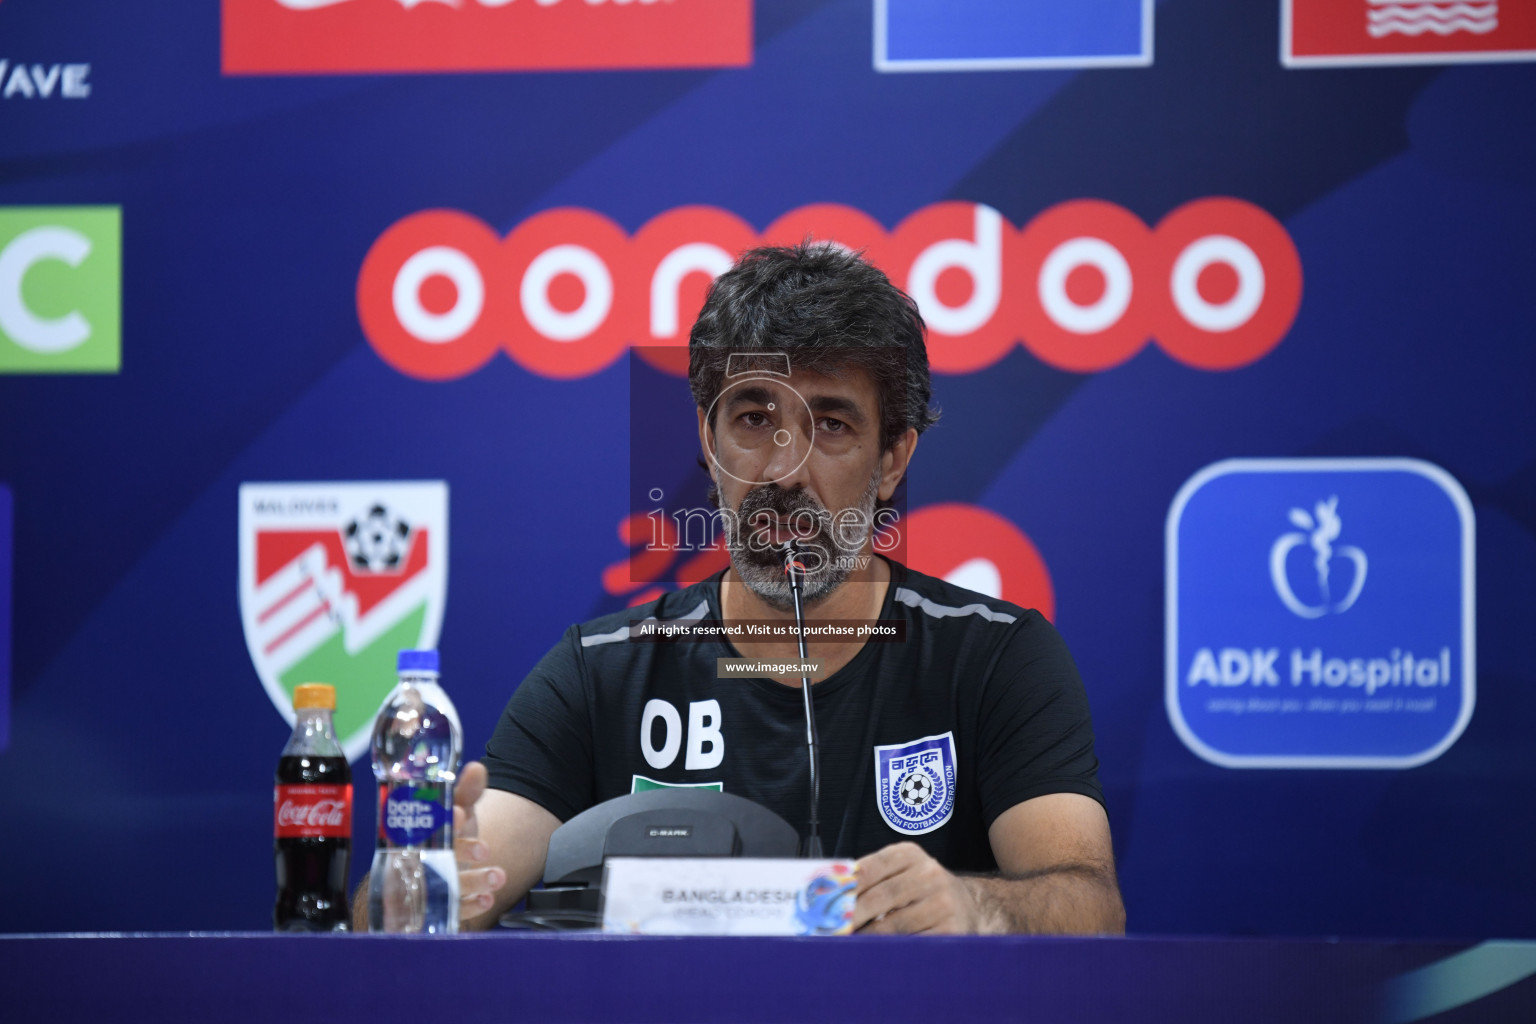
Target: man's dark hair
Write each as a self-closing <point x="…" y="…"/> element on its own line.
<point x="827" y="309"/>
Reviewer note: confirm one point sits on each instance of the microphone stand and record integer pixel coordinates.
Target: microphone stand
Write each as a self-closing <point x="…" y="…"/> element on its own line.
<point x="794" y="568"/>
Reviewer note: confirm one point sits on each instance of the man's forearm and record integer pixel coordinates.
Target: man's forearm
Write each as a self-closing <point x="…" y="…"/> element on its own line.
<point x="1069" y="900"/>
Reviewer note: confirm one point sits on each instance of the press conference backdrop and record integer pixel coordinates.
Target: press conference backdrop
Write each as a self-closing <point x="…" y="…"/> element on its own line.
<point x="318" y="338"/>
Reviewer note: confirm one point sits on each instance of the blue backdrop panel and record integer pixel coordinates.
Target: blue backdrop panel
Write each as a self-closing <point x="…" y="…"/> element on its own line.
<point x="248" y="205"/>
<point x="970" y="30"/>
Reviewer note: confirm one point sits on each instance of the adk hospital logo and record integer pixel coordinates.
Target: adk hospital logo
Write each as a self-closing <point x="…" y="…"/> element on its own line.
<point x="1321" y="528"/>
<point x="1320" y="613"/>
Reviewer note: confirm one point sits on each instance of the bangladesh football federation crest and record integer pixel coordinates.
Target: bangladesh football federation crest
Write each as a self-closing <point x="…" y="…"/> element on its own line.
<point x="915" y="783"/>
<point x="335" y="579"/>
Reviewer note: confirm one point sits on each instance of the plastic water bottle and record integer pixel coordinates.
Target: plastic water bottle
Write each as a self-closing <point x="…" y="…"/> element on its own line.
<point x="414" y="885"/>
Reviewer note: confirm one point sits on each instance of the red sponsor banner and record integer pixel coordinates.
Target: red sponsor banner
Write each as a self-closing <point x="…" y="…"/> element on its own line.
<point x="309" y="811"/>
<point x="327" y="36"/>
<point x="1084" y="286"/>
<point x="1323" y="33"/>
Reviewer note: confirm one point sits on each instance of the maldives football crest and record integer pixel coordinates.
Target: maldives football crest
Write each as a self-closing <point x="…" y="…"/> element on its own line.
<point x="915" y="783"/>
<point x="335" y="579"/>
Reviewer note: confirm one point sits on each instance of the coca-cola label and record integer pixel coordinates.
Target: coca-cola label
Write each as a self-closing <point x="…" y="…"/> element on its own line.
<point x="305" y="811"/>
<point x="411" y="814"/>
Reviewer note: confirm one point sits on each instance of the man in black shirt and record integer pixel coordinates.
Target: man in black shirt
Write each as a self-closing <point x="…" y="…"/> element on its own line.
<point x="957" y="763"/>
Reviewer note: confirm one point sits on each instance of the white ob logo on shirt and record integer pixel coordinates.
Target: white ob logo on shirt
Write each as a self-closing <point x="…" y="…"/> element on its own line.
<point x="706" y="746"/>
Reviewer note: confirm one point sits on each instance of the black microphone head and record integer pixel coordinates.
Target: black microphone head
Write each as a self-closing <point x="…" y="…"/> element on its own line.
<point x="794" y="563"/>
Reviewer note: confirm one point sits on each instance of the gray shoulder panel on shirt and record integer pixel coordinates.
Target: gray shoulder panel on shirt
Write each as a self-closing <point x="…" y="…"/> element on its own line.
<point x="912" y="599"/>
<point x="623" y="632"/>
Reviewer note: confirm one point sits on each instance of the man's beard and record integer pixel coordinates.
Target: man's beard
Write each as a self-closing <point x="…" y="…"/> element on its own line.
<point x="832" y="549"/>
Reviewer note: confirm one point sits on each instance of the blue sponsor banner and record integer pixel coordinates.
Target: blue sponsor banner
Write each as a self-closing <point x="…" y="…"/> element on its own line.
<point x="982" y="35"/>
<point x="6" y="507"/>
<point x="1320" y="613"/>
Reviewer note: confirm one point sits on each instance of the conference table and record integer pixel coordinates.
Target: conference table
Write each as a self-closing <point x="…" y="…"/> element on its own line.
<point x="520" y="976"/>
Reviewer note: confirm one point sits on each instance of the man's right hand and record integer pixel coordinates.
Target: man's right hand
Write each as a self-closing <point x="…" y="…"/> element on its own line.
<point x="500" y="840"/>
<point x="479" y="879"/>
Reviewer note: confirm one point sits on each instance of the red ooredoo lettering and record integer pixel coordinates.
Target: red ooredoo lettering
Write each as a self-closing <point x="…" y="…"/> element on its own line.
<point x="1084" y="285"/>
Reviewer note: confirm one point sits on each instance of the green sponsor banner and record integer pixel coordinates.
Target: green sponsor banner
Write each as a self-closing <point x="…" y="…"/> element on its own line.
<point x="60" y="289"/>
<point x="641" y="784"/>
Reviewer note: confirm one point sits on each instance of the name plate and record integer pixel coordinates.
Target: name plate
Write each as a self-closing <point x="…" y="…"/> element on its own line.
<point x="727" y="896"/>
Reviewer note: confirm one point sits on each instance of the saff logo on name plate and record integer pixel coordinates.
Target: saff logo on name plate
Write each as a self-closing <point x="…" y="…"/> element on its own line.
<point x="335" y="579"/>
<point x="915" y="783"/>
<point x="1320" y="613"/>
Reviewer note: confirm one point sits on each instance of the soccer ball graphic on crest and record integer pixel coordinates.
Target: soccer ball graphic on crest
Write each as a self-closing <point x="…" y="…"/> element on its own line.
<point x="378" y="541"/>
<point x="915" y="787"/>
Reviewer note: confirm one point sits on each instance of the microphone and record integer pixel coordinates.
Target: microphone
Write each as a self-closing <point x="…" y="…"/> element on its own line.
<point x="794" y="569"/>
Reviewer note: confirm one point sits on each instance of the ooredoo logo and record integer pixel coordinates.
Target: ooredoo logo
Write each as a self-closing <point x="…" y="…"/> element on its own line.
<point x="1083" y="286"/>
<point x="319" y="36"/>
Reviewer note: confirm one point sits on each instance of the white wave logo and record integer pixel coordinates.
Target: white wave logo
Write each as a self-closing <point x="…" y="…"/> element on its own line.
<point x="1411" y="18"/>
<point x="1323" y="527"/>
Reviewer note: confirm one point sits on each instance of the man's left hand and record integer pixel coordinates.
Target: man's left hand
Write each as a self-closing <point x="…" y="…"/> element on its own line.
<point x="903" y="891"/>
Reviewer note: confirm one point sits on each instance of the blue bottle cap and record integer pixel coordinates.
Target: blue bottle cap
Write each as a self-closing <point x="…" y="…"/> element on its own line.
<point x="417" y="661"/>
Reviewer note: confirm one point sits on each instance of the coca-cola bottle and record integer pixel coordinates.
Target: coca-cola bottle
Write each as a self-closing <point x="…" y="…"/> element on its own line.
<point x="312" y="824"/>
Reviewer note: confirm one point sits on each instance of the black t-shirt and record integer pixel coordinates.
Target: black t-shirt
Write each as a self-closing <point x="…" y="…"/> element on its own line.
<point x="927" y="739"/>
